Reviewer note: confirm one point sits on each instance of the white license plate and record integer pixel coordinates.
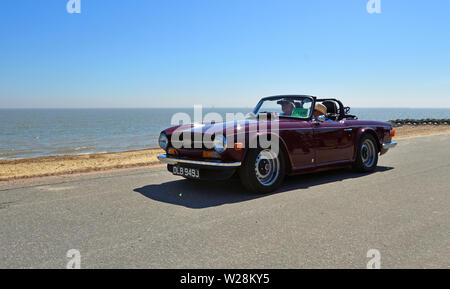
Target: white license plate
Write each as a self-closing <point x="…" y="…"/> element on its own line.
<point x="186" y="172"/>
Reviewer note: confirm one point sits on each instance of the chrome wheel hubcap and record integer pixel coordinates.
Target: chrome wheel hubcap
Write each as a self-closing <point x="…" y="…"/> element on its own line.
<point x="368" y="153"/>
<point x="267" y="167"/>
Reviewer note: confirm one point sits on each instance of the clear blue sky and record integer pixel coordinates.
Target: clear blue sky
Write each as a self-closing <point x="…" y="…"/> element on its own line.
<point x="160" y="53"/>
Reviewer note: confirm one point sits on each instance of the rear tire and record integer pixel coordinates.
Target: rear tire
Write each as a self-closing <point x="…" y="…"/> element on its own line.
<point x="367" y="154"/>
<point x="263" y="171"/>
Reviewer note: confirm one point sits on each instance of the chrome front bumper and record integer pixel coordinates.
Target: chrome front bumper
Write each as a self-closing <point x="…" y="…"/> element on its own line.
<point x="173" y="161"/>
<point x="389" y="145"/>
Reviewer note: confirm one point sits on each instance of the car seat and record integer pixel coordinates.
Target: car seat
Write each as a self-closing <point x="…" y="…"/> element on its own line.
<point x="332" y="109"/>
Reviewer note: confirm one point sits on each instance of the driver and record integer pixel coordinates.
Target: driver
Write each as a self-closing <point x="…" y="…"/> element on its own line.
<point x="287" y="107"/>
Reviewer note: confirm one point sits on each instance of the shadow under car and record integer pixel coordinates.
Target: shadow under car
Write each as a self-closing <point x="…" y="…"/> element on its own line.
<point x="204" y="194"/>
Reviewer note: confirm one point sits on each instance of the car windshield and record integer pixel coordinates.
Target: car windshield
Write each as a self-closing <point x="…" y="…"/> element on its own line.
<point x="297" y="107"/>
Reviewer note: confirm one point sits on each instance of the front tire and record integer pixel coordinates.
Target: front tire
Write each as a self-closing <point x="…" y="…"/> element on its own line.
<point x="263" y="171"/>
<point x="367" y="154"/>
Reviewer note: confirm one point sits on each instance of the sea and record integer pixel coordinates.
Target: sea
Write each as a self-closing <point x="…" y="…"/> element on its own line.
<point x="28" y="133"/>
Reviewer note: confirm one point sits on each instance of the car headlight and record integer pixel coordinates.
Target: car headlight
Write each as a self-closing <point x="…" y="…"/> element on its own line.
<point x="163" y="141"/>
<point x="220" y="144"/>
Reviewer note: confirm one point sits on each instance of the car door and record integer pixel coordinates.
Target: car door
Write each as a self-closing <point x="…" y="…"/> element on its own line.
<point x="333" y="142"/>
<point x="299" y="140"/>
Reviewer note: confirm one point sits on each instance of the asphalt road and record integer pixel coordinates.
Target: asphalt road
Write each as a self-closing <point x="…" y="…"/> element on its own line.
<point x="138" y="219"/>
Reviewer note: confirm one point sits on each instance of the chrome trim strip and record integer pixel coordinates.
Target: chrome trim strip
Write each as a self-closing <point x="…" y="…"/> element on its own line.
<point x="173" y="161"/>
<point x="389" y="145"/>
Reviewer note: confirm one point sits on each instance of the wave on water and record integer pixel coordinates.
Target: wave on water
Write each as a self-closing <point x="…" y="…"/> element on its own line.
<point x="72" y="150"/>
<point x="4" y="156"/>
<point x="14" y="154"/>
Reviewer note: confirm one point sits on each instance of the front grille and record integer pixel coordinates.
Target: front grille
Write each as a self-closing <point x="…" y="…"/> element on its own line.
<point x="195" y="142"/>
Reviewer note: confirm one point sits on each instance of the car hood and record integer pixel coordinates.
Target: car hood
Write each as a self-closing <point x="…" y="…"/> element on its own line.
<point x="239" y="126"/>
<point x="214" y="128"/>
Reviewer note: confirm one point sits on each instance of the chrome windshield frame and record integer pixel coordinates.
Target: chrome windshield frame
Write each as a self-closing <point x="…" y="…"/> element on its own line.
<point x="293" y="97"/>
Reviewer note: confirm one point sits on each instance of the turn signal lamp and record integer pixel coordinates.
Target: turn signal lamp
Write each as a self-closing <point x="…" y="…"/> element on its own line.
<point x="392" y="132"/>
<point x="172" y="151"/>
<point x="207" y="154"/>
<point x="238" y="146"/>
